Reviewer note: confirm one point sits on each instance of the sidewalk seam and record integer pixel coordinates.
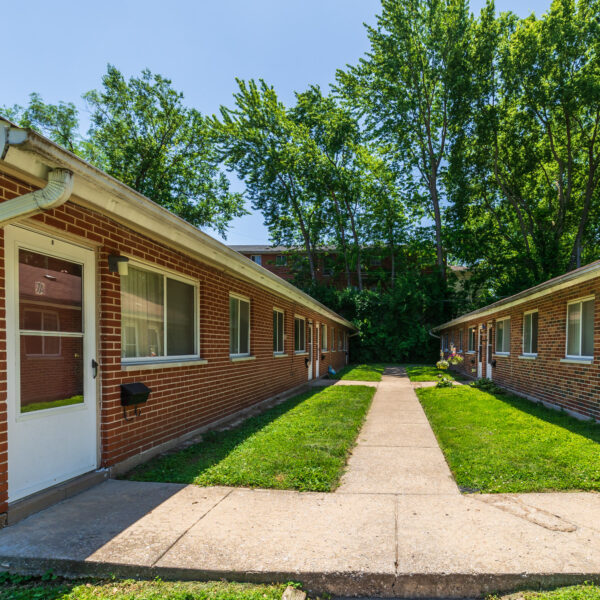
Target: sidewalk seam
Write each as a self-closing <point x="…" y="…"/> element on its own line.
<point x="161" y="556"/>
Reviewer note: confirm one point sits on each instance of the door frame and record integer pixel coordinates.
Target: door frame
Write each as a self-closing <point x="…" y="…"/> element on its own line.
<point x="489" y="352"/>
<point x="310" y="348"/>
<point x="479" y="352"/>
<point x="317" y="349"/>
<point x="17" y="236"/>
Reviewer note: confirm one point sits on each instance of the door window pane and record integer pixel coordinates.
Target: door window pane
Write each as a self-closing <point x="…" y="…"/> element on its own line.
<point x="50" y="293"/>
<point x="181" y="335"/>
<point x="51" y="371"/>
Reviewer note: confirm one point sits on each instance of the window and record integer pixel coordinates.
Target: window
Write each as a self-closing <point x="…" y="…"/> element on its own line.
<point x="375" y="261"/>
<point x="503" y="336"/>
<point x="333" y="339"/>
<point x="580" y="329"/>
<point x="239" y="326"/>
<point x="340" y="343"/>
<point x="324" y="338"/>
<point x="299" y="334"/>
<point x="281" y="260"/>
<point x="277" y="331"/>
<point x="460" y="340"/>
<point x="257" y="258"/>
<point x="42" y="320"/>
<point x="158" y="316"/>
<point x="530" y="333"/>
<point x="471" y="339"/>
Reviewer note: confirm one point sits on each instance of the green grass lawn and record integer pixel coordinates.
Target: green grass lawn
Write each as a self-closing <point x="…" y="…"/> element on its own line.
<point x="502" y="443"/>
<point x="15" y="587"/>
<point x="430" y="373"/>
<point x="586" y="591"/>
<point x="301" y="444"/>
<point x="370" y="372"/>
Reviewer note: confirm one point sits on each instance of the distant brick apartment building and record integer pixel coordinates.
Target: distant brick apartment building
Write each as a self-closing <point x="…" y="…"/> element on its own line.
<point x="542" y="343"/>
<point x="101" y="288"/>
<point x="288" y="263"/>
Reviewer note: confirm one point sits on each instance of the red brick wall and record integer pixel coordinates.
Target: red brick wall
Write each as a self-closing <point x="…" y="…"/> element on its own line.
<point x="183" y="398"/>
<point x="574" y="387"/>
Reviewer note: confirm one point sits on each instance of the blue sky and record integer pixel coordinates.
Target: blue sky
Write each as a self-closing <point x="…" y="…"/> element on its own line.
<point x="60" y="49"/>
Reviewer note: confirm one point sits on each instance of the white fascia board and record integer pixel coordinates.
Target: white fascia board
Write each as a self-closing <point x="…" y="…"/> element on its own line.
<point x="590" y="272"/>
<point x="104" y="194"/>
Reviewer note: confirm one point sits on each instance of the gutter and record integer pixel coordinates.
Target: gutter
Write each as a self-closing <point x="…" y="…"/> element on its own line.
<point x="55" y="193"/>
<point x="31" y="153"/>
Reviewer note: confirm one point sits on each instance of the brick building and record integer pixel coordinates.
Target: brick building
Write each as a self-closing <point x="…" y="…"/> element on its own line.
<point x="289" y="262"/>
<point x="100" y="287"/>
<point x="543" y="343"/>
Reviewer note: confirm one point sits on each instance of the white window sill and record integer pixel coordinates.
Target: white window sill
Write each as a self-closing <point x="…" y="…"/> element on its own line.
<point x="161" y="364"/>
<point x="528" y="356"/>
<point x="501" y="354"/>
<point x="301" y="353"/>
<point x="470" y="352"/>
<point x="577" y="361"/>
<point x="279" y="355"/>
<point x="236" y="359"/>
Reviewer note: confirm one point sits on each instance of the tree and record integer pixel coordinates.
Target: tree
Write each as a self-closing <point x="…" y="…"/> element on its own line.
<point x="59" y="122"/>
<point x="143" y="135"/>
<point x="411" y="89"/>
<point x="527" y="170"/>
<point x="275" y="158"/>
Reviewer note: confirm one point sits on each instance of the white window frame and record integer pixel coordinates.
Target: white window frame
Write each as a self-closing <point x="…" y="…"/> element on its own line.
<point x="241" y="299"/>
<point x="281" y="312"/>
<point x="577" y="356"/>
<point x="501" y="352"/>
<point x="529" y="312"/>
<point x="253" y="258"/>
<point x="166" y="358"/>
<point x="303" y="319"/>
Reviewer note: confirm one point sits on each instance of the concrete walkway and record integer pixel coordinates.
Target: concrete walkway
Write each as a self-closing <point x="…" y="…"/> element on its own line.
<point x="397" y="526"/>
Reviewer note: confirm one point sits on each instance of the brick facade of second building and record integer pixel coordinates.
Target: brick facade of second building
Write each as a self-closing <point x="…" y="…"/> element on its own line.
<point x="549" y="374"/>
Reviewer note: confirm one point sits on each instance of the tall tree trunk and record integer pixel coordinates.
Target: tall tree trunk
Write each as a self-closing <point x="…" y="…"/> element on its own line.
<point x="438" y="221"/>
<point x="357" y="244"/>
<point x="343" y="238"/>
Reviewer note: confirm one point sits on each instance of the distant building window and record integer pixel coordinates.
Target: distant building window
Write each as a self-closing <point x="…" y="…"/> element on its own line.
<point x="299" y="334"/>
<point x="580" y="329"/>
<point x="257" y="258"/>
<point x="239" y="326"/>
<point x="281" y="260"/>
<point x="530" y="333"/>
<point x="471" y="339"/>
<point x="375" y="261"/>
<point x="277" y="331"/>
<point x="503" y="336"/>
<point x="324" y="338"/>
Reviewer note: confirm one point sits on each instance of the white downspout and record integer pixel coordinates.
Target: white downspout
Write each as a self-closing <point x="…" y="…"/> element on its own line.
<point x="57" y="191"/>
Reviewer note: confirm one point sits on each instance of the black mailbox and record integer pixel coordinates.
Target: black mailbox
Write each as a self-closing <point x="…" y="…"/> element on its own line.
<point x="134" y="393"/>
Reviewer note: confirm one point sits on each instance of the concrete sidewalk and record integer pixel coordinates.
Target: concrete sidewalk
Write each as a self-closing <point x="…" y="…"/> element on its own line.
<point x="397" y="526"/>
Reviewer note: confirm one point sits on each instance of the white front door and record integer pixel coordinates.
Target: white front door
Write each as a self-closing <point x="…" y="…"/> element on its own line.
<point x="309" y="348"/>
<point x="488" y="362"/>
<point x="318" y="349"/>
<point x="52" y="414"/>
<point x="479" y="353"/>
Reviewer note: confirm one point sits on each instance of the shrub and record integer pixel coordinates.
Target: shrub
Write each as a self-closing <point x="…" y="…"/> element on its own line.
<point x="444" y="382"/>
<point x="486" y="385"/>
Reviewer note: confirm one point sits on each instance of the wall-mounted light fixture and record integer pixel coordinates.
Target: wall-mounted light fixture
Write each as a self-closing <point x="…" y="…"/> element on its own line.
<point x="118" y="264"/>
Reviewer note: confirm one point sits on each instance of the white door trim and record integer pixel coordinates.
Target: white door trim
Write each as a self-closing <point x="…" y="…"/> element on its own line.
<point x="85" y="414"/>
<point x="479" y="353"/>
<point x="310" y="350"/>
<point x="318" y="349"/>
<point x="489" y="352"/>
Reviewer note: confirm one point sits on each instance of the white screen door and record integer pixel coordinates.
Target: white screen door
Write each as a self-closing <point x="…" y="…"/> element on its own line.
<point x="318" y="349"/>
<point x="309" y="347"/>
<point x="52" y="414"/>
